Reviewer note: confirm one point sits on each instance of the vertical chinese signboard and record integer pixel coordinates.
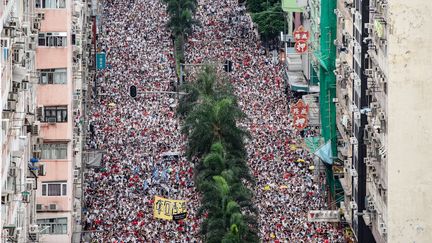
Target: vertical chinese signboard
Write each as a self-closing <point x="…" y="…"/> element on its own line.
<point x="301" y="36"/>
<point x="300" y="114"/>
<point x="100" y="60"/>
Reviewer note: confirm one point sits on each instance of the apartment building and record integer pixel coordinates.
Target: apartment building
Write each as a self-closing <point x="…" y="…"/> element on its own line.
<point x="61" y="64"/>
<point x="19" y="169"/>
<point x="380" y="89"/>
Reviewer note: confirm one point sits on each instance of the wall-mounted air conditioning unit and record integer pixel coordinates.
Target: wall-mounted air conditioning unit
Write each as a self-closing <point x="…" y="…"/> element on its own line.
<point x="52" y="207"/>
<point x="39" y="207"/>
<point x="33" y="234"/>
<point x="26" y="197"/>
<point x="357" y="115"/>
<point x="13" y="171"/>
<point x="353" y="205"/>
<point x="51" y="120"/>
<point x="353" y="172"/>
<point x="42" y="170"/>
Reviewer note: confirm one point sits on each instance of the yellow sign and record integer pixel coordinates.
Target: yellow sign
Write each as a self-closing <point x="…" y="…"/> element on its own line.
<point x="164" y="208"/>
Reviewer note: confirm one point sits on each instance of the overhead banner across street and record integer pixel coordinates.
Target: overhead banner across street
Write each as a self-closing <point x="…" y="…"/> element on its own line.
<point x="168" y="209"/>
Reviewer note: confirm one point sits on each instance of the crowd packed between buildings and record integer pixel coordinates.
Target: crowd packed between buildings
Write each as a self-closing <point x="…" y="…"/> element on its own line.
<point x="142" y="140"/>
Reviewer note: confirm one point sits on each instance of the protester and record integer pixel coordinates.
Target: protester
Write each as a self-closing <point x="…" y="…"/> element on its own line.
<point x="286" y="189"/>
<point x="136" y="132"/>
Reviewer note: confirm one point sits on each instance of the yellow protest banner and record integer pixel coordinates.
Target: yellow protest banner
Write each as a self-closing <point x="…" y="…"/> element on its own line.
<point x="164" y="208"/>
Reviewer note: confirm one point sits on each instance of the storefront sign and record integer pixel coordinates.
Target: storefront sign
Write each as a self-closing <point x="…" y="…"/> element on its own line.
<point x="300" y="114"/>
<point x="301" y="47"/>
<point x="299" y="108"/>
<point x="300" y="122"/>
<point x="323" y="216"/>
<point x="301" y="34"/>
<point x="100" y="60"/>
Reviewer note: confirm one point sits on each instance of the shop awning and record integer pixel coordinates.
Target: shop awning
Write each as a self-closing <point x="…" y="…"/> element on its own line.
<point x="297" y="82"/>
<point x="345" y="186"/>
<point x="293" y="5"/>
<point x="325" y="153"/>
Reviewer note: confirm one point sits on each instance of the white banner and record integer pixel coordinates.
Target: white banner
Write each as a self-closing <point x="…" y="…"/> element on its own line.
<point x="323" y="216"/>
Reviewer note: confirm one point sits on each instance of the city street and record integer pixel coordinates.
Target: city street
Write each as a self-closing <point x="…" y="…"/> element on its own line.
<point x="137" y="132"/>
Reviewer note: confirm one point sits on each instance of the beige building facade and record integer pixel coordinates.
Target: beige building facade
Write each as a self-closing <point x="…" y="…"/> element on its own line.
<point x="19" y="169"/>
<point x="382" y="87"/>
<point x="44" y="62"/>
<point x="409" y="141"/>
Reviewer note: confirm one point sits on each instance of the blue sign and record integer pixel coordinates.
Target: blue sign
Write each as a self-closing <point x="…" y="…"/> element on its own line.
<point x="100" y="60"/>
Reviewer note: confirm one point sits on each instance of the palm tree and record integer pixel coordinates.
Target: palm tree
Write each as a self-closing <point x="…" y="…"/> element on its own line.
<point x="211" y="121"/>
<point x="211" y="114"/>
<point x="181" y="21"/>
<point x="207" y="85"/>
<point x="224" y="212"/>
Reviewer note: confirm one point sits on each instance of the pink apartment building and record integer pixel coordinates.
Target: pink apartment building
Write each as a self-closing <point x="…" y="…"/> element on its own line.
<point x="61" y="66"/>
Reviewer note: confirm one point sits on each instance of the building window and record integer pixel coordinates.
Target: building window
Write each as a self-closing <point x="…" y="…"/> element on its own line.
<point x="53" y="76"/>
<point x="55" y="226"/>
<point x="50" y="3"/>
<point x="53" y="150"/>
<point x="58" y="188"/>
<point x="56" y="39"/>
<point x="54" y="114"/>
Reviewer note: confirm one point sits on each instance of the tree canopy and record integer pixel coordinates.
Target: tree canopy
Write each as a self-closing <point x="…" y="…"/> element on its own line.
<point x="211" y="115"/>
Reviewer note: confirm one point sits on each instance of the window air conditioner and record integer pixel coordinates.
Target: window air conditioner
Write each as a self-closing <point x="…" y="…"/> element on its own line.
<point x="51" y="120"/>
<point x="41" y="16"/>
<point x="353" y="205"/>
<point x="39" y="207"/>
<point x="368" y="72"/>
<point x="26" y="197"/>
<point x="34" y="228"/>
<point x="53" y="207"/>
<point x="356" y="115"/>
<point x="29" y="186"/>
<point x="13" y="171"/>
<point x="42" y="170"/>
<point x="353" y="172"/>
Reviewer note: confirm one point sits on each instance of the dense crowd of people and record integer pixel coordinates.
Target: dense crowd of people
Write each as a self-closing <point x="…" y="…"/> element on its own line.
<point x="136" y="134"/>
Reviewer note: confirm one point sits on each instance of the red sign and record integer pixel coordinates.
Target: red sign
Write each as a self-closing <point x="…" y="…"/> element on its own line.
<point x="301" y="46"/>
<point x="301" y="34"/>
<point x="300" y="109"/>
<point x="300" y="114"/>
<point x="300" y="122"/>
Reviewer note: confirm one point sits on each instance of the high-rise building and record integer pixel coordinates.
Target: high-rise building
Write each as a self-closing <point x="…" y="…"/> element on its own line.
<point x="61" y="63"/>
<point x="352" y="98"/>
<point x="19" y="169"/>
<point x="383" y="115"/>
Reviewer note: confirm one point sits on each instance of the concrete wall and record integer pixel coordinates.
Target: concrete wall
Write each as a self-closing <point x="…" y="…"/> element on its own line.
<point x="410" y="122"/>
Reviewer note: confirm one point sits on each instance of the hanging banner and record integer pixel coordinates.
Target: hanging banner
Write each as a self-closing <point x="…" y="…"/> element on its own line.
<point x="323" y="216"/>
<point x="100" y="60"/>
<point x="301" y="47"/>
<point x="299" y="108"/>
<point x="167" y="209"/>
<point x="301" y="34"/>
<point x="300" y="114"/>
